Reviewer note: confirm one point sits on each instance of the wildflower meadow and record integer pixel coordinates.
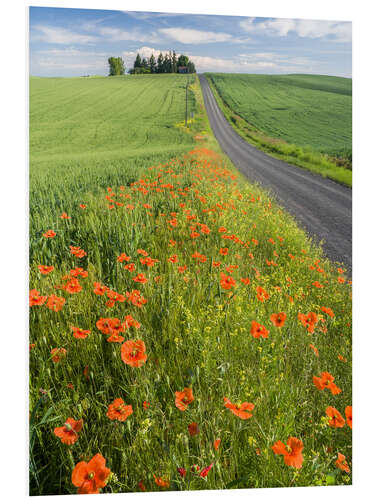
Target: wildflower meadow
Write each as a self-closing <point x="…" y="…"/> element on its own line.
<point x="185" y="333"/>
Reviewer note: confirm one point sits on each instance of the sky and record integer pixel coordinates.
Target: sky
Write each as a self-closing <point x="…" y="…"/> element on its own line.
<point x="76" y="42"/>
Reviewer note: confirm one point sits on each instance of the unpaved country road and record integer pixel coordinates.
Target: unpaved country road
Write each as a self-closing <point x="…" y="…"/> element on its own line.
<point x="321" y="206"/>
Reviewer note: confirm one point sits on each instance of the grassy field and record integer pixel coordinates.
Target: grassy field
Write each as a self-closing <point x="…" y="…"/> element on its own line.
<point x="307" y="118"/>
<point x="168" y="244"/>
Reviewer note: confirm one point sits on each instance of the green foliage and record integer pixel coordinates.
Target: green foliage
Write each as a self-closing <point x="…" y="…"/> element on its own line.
<point x="116" y="66"/>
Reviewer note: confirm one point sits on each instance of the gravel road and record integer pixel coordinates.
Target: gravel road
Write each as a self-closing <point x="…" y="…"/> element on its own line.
<point x="321" y="206"/>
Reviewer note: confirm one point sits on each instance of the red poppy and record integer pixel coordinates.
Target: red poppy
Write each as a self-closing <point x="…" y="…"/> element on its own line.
<point x="141" y="485"/>
<point x="130" y="267"/>
<point x="258" y="330"/>
<point x="163" y="483"/>
<point x="308" y="320"/>
<point x="45" y="269"/>
<point x="73" y="286"/>
<point x="328" y="311"/>
<point x="278" y="319"/>
<point x="123" y="257"/>
<point x="245" y="281"/>
<point x="68" y="433"/>
<point x="242" y="410"/>
<point x="193" y="429"/>
<point x="262" y="295"/>
<point x="118" y="410"/>
<point x="82" y="205"/>
<point x="325" y="381"/>
<point x="100" y="289"/>
<point x="90" y="477"/>
<point x="64" y="215"/>
<point x="133" y="353"/>
<point x="206" y="470"/>
<point x="292" y="452"/>
<point x="78" y="333"/>
<point x="77" y="252"/>
<point x="35" y="299"/>
<point x="49" y="234"/>
<point x="226" y="282"/>
<point x="348" y="415"/>
<point x="217" y="443"/>
<point x="55" y="303"/>
<point x="140" y="278"/>
<point x="224" y="251"/>
<point x="335" y="417"/>
<point x="146" y="405"/>
<point x="316" y="352"/>
<point x="181" y="471"/>
<point x="57" y="354"/>
<point x="184" y="398"/>
<point x="173" y="259"/>
<point x="341" y="463"/>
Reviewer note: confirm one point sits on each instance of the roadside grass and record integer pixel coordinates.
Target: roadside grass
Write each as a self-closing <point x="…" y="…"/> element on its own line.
<point x="188" y="209"/>
<point x="335" y="165"/>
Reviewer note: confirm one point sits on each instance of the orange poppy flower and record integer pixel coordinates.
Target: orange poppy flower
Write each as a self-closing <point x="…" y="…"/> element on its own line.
<point x="316" y="352"/>
<point x="140" y="278"/>
<point x="64" y="215"/>
<point x="77" y="252"/>
<point x="224" y="251"/>
<point x="335" y="417"/>
<point x="123" y="257"/>
<point x="325" y="381"/>
<point x="292" y="452"/>
<point x="348" y="415"/>
<point x="45" y="269"/>
<point x="242" y="410"/>
<point x="184" y="398"/>
<point x="90" y="477"/>
<point x="217" y="443"/>
<point x="328" y="311"/>
<point x="133" y="353"/>
<point x="130" y="267"/>
<point x="135" y="298"/>
<point x="182" y="269"/>
<point x="216" y="263"/>
<point x="163" y="483"/>
<point x="173" y="259"/>
<point x="317" y="284"/>
<point x="49" y="234"/>
<point x="193" y="429"/>
<point x="262" y="295"/>
<point x="73" y="286"/>
<point x="141" y="485"/>
<point x="57" y="354"/>
<point x="55" y="303"/>
<point x="100" y="289"/>
<point x="258" y="330"/>
<point x="245" y="281"/>
<point x="82" y="205"/>
<point x="278" y="319"/>
<point x="206" y="470"/>
<point x="308" y="321"/>
<point x="78" y="333"/>
<point x="146" y="405"/>
<point x="119" y="411"/>
<point x="68" y="433"/>
<point x="35" y="299"/>
<point x="226" y="282"/>
<point x="341" y="463"/>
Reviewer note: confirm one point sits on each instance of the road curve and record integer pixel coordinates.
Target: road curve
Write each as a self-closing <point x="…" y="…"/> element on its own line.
<point x="321" y="206"/>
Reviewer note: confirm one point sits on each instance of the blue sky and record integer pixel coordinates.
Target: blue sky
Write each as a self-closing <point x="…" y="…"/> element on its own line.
<point x="75" y="42"/>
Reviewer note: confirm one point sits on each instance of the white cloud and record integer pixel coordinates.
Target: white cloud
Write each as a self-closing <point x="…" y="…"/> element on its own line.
<point x="68" y="62"/>
<point x="191" y="36"/>
<point x="118" y="35"/>
<point x="60" y="36"/>
<point x="334" y="30"/>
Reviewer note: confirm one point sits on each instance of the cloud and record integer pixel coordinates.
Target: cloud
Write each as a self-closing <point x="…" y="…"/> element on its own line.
<point x="68" y="62"/>
<point x="118" y="35"/>
<point x="60" y="36"/>
<point x="192" y="36"/>
<point x="334" y="30"/>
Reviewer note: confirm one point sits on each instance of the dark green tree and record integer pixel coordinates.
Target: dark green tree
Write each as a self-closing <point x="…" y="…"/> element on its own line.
<point x="174" y="62"/>
<point x="138" y="62"/>
<point x="191" y="67"/>
<point x="159" y="68"/>
<point x="152" y="64"/>
<point x="182" y="61"/>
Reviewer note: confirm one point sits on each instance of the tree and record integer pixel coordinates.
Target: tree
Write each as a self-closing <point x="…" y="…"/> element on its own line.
<point x="191" y="67"/>
<point x="159" y="68"/>
<point x="152" y="64"/>
<point x="174" y="62"/>
<point x="137" y="62"/>
<point x="182" y="61"/>
<point x="116" y="66"/>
